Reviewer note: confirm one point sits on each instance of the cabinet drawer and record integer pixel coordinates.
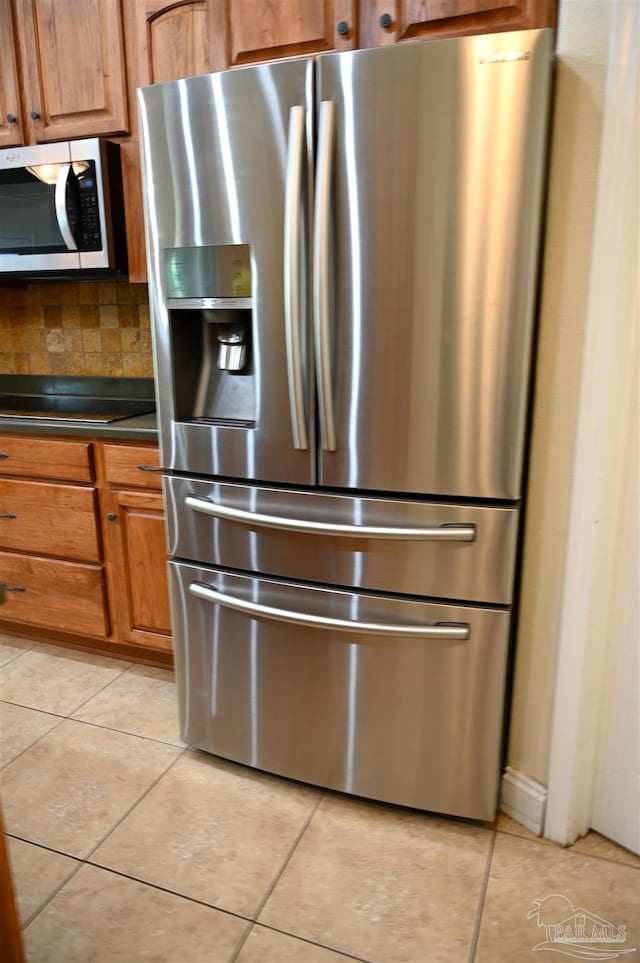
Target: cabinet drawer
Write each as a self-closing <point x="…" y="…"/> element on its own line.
<point x="48" y="519"/>
<point x="59" y="595"/>
<point x="46" y="458"/>
<point x="137" y="465"/>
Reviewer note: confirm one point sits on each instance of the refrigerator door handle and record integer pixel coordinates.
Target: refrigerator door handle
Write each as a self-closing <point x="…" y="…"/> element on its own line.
<point x="452" y="632"/>
<point x="439" y="533"/>
<point x="321" y="286"/>
<point x="295" y="154"/>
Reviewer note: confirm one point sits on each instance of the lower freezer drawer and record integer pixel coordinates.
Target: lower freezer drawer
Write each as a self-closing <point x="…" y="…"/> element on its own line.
<point x="395" y="700"/>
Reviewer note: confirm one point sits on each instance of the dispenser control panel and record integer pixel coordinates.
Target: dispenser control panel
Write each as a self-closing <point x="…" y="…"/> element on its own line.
<point x="216" y="272"/>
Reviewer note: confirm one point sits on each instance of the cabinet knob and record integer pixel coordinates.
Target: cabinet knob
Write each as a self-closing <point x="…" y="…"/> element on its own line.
<point x="14" y="588"/>
<point x="11" y="118"/>
<point x="144" y="467"/>
<point x="385" y="20"/>
<point x="343" y="28"/>
<point x="4" y="454"/>
<point x="111" y="516"/>
<point x="34" y="115"/>
<point x="8" y="515"/>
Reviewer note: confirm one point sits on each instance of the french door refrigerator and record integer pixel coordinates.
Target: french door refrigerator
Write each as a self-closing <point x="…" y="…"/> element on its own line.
<point x="342" y="263"/>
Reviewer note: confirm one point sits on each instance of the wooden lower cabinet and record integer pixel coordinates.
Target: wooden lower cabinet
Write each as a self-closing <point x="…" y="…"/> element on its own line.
<point x="82" y="544"/>
<point x="137" y="548"/>
<point x="63" y="596"/>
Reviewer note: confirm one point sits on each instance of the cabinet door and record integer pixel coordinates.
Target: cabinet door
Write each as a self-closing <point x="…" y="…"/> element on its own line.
<point x="247" y="32"/>
<point x="10" y="119"/>
<point x="388" y="21"/>
<point x="165" y="41"/>
<point x="138" y="556"/>
<point x="172" y="40"/>
<point x="74" y="70"/>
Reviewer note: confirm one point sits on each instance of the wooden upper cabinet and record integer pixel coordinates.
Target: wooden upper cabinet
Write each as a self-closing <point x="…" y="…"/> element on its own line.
<point x="248" y="31"/>
<point x="10" y="104"/>
<point x="73" y="66"/>
<point x="390" y="21"/>
<point x="172" y="39"/>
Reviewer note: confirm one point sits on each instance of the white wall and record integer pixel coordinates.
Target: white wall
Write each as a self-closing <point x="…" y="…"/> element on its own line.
<point x="582" y="58"/>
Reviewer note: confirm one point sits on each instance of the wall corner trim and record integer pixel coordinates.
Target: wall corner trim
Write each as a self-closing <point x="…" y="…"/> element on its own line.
<point x="524" y="799"/>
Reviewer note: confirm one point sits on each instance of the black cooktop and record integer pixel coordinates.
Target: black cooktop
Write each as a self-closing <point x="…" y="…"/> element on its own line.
<point x="62" y="407"/>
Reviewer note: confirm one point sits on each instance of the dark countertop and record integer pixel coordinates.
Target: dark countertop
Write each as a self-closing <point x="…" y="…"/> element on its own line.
<point x="135" y="428"/>
<point x="138" y="428"/>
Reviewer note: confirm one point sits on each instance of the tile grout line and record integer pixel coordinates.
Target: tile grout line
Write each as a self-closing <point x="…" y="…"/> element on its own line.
<point x="277" y="877"/>
<point x="86" y="861"/>
<point x="10" y="762"/>
<point x="481" y="901"/>
<point x="171" y="892"/>
<point x="87" y="722"/>
<point x="556" y="847"/>
<point x="144" y="795"/>
<point x="17" y="656"/>
<point x="101" y="689"/>
<point x="83" y="861"/>
<point x="322" y="946"/>
<point x="126" y="732"/>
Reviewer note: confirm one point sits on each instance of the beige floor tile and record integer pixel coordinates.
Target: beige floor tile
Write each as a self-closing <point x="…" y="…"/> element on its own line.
<point x="505" y="824"/>
<point x="593" y="844"/>
<point x="523" y="872"/>
<point x="73" y="785"/>
<point x="141" y="701"/>
<point x="385" y="884"/>
<point x="267" y="946"/>
<point x="99" y="917"/>
<point x="37" y="873"/>
<point x="211" y="830"/>
<point x="19" y="729"/>
<point x="56" y="679"/>
<point x="11" y="647"/>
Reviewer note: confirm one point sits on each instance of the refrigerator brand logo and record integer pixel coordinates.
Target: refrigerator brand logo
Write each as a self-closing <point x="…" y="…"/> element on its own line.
<point x="505" y="58"/>
<point x="574" y="931"/>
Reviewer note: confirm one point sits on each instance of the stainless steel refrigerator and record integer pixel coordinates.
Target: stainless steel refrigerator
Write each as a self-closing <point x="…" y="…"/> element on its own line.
<point x="342" y="262"/>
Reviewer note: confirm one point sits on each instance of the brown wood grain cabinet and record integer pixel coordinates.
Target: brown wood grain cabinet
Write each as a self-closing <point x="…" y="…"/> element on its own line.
<point x="139" y="555"/>
<point x="82" y="543"/>
<point x="136" y="541"/>
<point x="391" y="21"/>
<point x="246" y="31"/>
<point x="10" y="101"/>
<point x="71" y="61"/>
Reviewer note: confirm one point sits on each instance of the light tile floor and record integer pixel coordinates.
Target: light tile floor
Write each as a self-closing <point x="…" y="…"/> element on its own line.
<point x="126" y="846"/>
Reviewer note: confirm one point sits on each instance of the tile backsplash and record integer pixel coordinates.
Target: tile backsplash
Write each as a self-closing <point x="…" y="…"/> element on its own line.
<point x="84" y="328"/>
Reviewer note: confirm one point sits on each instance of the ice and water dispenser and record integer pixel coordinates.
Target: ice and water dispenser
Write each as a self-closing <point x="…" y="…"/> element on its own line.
<point x="209" y="296"/>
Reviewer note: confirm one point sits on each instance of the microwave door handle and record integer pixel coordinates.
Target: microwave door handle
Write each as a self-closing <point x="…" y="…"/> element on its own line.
<point x="62" y="214"/>
<point x="321" y="286"/>
<point x="292" y="313"/>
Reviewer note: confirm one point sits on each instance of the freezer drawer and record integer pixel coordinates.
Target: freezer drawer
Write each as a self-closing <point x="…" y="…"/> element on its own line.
<point x="409" y="547"/>
<point x="385" y="698"/>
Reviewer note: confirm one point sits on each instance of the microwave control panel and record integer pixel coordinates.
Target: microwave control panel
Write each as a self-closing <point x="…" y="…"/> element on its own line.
<point x="88" y="233"/>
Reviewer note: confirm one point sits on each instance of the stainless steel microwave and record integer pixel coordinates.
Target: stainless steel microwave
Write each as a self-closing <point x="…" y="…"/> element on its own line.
<point x="61" y="210"/>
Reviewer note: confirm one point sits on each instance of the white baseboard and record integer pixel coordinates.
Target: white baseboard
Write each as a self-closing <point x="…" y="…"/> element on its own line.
<point x="524" y="799"/>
